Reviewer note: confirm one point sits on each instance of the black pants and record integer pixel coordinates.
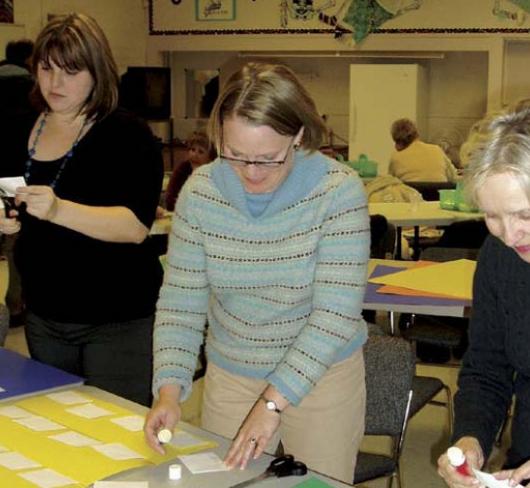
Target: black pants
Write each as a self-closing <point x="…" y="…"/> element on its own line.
<point x="116" y="357"/>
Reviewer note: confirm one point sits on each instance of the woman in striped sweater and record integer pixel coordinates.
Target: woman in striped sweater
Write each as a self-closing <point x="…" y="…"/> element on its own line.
<point x="269" y="245"/>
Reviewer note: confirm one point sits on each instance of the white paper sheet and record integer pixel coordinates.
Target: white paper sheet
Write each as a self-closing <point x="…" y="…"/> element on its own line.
<point x="121" y="484"/>
<point x="14" y="412"/>
<point x="204" y="462"/>
<point x="89" y="411"/>
<point x="9" y="185"/>
<point x="47" y="478"/>
<point x="183" y="439"/>
<point x="14" y="461"/>
<point x="74" y="439"/>
<point x="490" y="481"/>
<point x="117" y="451"/>
<point x="39" y="424"/>
<point x="68" y="397"/>
<point x="134" y="423"/>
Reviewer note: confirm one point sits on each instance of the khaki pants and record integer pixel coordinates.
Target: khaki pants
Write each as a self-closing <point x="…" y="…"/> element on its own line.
<point x="324" y="431"/>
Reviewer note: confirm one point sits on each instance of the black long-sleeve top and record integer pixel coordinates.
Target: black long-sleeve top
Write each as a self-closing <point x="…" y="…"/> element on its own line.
<point x="497" y="363"/>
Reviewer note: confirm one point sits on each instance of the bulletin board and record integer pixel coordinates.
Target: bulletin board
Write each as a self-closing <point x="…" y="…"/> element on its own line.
<point x="337" y="17"/>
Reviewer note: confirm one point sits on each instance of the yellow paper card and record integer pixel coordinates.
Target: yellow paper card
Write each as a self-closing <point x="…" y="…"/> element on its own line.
<point x="452" y="278"/>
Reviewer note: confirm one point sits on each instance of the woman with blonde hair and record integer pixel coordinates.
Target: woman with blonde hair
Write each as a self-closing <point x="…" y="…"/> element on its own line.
<point x="496" y="367"/>
<point x="270" y="244"/>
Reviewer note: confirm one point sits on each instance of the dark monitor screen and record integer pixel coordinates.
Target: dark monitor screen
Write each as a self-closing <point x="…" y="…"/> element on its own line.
<point x="146" y="91"/>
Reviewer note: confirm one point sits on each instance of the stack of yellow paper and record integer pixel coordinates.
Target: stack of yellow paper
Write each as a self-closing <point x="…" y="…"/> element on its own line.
<point x="452" y="279"/>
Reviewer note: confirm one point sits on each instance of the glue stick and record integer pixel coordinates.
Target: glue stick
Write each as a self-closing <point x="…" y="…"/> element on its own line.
<point x="458" y="460"/>
<point x="164" y="436"/>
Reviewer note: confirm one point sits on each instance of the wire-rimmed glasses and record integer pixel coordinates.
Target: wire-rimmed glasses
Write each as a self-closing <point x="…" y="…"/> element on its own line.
<point x="241" y="163"/>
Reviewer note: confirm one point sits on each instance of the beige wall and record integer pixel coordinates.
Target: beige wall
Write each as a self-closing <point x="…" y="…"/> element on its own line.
<point x="124" y="23"/>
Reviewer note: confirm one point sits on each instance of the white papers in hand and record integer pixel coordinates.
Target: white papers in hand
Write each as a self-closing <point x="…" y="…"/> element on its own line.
<point x="490" y="481"/>
<point x="204" y="462"/>
<point x="10" y="185"/>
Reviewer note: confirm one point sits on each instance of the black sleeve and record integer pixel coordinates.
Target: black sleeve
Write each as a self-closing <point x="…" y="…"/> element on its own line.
<point x="485" y="383"/>
<point x="141" y="168"/>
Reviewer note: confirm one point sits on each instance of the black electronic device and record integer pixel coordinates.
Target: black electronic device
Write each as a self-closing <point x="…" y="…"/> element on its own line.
<point x="146" y="91"/>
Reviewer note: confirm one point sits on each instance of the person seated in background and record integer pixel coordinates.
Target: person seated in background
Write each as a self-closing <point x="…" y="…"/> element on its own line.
<point x="415" y="160"/>
<point x="200" y="151"/>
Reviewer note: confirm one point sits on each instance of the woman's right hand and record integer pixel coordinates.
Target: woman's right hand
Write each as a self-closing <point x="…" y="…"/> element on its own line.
<point x="9" y="225"/>
<point x="164" y="414"/>
<point x="474" y="457"/>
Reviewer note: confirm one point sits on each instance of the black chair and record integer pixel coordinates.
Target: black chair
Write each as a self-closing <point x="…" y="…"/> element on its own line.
<point x="429" y="189"/>
<point x="390" y="365"/>
<point x="435" y="337"/>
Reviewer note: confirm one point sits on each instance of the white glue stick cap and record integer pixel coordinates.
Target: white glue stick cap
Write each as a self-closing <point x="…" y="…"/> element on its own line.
<point x="164" y="436"/>
<point x="175" y="471"/>
<point x="456" y="456"/>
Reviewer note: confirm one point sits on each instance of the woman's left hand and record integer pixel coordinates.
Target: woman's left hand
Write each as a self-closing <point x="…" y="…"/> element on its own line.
<point x="515" y="476"/>
<point x="254" y="434"/>
<point x="41" y="201"/>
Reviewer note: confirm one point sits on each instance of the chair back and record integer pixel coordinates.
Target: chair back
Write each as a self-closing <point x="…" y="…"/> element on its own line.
<point x="429" y="189"/>
<point x="390" y="367"/>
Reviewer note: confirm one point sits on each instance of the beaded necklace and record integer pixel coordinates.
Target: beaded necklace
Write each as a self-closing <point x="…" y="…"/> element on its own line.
<point x="66" y="157"/>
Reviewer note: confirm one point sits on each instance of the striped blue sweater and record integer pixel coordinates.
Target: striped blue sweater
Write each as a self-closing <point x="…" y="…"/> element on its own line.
<point x="282" y="292"/>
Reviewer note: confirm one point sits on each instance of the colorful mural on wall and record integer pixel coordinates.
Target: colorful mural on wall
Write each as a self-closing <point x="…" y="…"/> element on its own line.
<point x="349" y="21"/>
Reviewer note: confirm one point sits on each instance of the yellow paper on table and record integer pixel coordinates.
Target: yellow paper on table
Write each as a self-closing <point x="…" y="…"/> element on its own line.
<point x="452" y="278"/>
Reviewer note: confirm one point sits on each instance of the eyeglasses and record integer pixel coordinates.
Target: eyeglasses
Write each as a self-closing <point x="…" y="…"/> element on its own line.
<point x="240" y="163"/>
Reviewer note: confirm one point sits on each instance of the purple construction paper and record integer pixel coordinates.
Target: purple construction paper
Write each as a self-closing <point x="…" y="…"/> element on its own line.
<point x="371" y="295"/>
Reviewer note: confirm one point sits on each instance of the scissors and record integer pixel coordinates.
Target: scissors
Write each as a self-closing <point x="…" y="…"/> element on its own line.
<point x="279" y="468"/>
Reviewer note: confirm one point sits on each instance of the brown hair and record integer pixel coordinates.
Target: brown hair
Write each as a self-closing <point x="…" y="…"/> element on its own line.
<point x="271" y="95"/>
<point x="201" y="139"/>
<point x="404" y="132"/>
<point x="76" y="42"/>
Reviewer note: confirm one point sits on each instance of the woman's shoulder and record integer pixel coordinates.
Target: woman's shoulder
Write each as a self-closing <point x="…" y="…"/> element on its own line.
<point x="124" y="121"/>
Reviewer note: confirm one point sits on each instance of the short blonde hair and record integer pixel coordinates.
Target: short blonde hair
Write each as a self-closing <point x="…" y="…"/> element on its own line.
<point x="76" y="42"/>
<point x="499" y="143"/>
<point x="271" y="95"/>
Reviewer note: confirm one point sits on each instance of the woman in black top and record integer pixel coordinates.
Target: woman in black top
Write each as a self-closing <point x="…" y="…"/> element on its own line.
<point x="496" y="366"/>
<point x="89" y="273"/>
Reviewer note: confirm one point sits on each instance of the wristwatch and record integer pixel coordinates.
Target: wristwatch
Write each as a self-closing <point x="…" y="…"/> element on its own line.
<point x="270" y="405"/>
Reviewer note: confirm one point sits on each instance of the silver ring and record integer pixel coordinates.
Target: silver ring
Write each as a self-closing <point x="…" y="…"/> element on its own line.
<point x="252" y="440"/>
